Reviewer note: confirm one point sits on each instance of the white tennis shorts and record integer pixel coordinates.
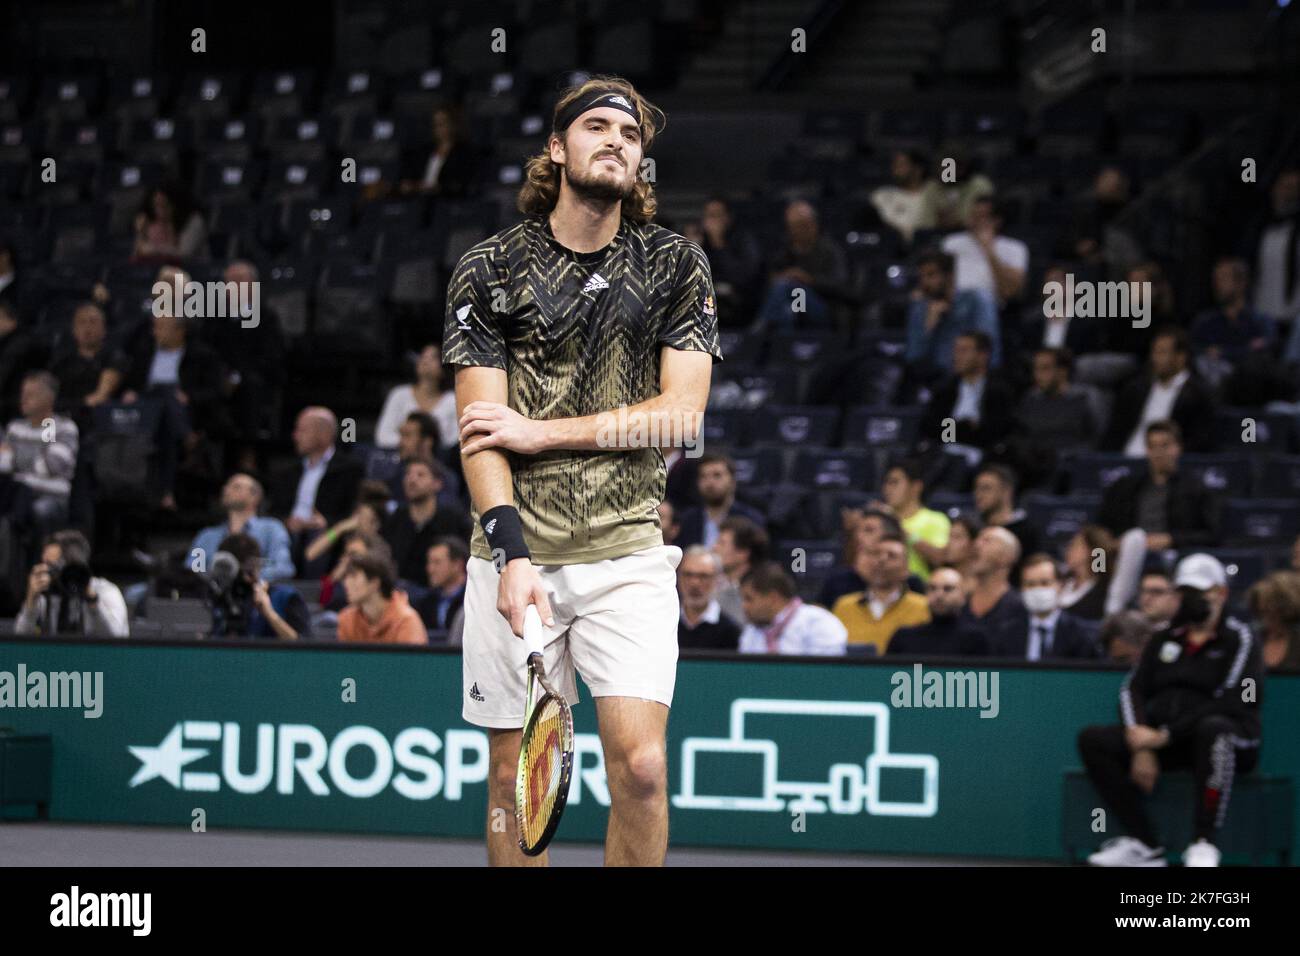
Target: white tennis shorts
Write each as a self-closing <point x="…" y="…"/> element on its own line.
<point x="615" y="623"/>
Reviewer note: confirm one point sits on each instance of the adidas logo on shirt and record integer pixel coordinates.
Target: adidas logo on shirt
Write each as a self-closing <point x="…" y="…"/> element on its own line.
<point x="595" y="283"/>
<point x="474" y="693"/>
<point x="461" y="315"/>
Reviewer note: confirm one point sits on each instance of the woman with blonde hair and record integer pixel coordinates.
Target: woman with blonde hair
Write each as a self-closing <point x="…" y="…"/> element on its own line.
<point x="1274" y="603"/>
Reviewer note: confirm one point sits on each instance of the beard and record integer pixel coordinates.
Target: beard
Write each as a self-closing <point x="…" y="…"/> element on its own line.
<point x="590" y="186"/>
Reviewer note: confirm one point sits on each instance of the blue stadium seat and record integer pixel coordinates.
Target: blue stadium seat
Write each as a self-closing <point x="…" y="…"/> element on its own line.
<point x="817" y="557"/>
<point x="742" y="348"/>
<point x="795" y="425"/>
<point x="1280" y="477"/>
<point x="1094" y="471"/>
<point x="1224" y="474"/>
<point x="1249" y="521"/>
<point x="844" y="468"/>
<point x="1272" y="430"/>
<point x="228" y="139"/>
<point x="872" y="426"/>
<point x="1060" y="518"/>
<point x="756" y="466"/>
<point x="951" y="503"/>
<point x="726" y="428"/>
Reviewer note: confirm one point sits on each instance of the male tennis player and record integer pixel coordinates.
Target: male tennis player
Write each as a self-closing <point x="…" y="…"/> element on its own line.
<point x="583" y="338"/>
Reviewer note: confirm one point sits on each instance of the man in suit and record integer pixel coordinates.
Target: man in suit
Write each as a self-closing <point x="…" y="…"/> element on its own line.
<point x="320" y="488"/>
<point x="1169" y="390"/>
<point x="981" y="405"/>
<point x="1051" y="632"/>
<point x="716" y="481"/>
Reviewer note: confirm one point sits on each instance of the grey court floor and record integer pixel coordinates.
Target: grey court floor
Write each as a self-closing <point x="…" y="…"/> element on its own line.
<point x="65" y="844"/>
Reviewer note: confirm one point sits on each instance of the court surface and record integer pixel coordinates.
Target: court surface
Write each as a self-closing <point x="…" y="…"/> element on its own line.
<point x="69" y="844"/>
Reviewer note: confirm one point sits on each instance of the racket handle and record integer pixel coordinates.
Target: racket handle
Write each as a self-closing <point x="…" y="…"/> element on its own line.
<point x="534" y="639"/>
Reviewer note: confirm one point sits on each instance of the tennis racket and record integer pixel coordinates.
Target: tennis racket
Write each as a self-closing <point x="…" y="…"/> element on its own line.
<point x="546" y="752"/>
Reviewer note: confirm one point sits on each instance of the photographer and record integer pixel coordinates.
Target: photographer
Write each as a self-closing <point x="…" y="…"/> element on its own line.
<point x="64" y="598"/>
<point x="246" y="606"/>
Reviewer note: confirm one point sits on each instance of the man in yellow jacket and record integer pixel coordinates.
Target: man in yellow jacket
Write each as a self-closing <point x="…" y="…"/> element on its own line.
<point x="872" y="616"/>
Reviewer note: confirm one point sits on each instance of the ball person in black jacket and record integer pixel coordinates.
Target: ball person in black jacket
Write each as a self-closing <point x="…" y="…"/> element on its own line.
<point x="1192" y="701"/>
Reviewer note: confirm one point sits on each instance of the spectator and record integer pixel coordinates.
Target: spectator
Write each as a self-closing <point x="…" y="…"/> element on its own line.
<point x="911" y="202"/>
<point x="241" y="498"/>
<point x="1054" y="415"/>
<point x="779" y="622"/>
<point x="741" y="546"/>
<point x="1052" y="631"/>
<point x="332" y="595"/>
<point x="716" y="481"/>
<point x="1232" y="331"/>
<point x="1277" y="257"/>
<point x="926" y="530"/>
<point x="1124" y="634"/>
<point x="185" y="378"/>
<point x="252" y="348"/>
<point x="808" y="262"/>
<point x="993" y="606"/>
<point x="735" y="262"/>
<point x="1274" y="603"/>
<point x="20" y="354"/>
<point x="451" y="170"/>
<point x="427" y="395"/>
<point x="170" y="226"/>
<point x="985" y="259"/>
<point x="1169" y="391"/>
<point x="89" y="372"/>
<point x="411" y="529"/>
<point x="8" y="273"/>
<point x="939" y="313"/>
<point x="702" y="624"/>
<point x="1156" y="509"/>
<point x="377" y="613"/>
<point x="1103" y="246"/>
<point x="321" y="486"/>
<point x="973" y="411"/>
<point x="1050" y="324"/>
<point x="995" y="500"/>
<point x="253" y="608"/>
<point x="1088" y="560"/>
<point x="872" y="616"/>
<point x="1157" y="597"/>
<point x="948" y="633"/>
<point x="40" y="452"/>
<point x="668" y="525"/>
<point x="1182" y="709"/>
<point x="368" y="517"/>
<point x="64" y="597"/>
<point x="960" y="552"/>
<point x="862" y="529"/>
<point x="444" y="570"/>
<point x="958" y="199"/>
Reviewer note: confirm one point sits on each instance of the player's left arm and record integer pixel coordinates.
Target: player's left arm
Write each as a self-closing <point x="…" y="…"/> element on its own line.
<point x="671" y="419"/>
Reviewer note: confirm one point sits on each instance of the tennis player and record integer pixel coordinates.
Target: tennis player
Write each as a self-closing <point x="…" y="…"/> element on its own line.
<point x="583" y="340"/>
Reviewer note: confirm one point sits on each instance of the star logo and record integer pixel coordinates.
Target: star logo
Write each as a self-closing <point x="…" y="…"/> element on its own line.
<point x="165" y="760"/>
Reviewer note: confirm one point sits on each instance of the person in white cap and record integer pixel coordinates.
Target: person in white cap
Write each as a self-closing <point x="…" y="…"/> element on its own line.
<point x="1191" y="702"/>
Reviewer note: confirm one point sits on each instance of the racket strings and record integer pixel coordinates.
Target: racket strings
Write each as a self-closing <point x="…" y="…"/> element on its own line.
<point x="543" y="765"/>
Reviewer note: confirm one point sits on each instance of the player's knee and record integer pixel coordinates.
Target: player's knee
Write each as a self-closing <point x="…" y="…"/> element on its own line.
<point x="641" y="772"/>
<point x="1208" y="728"/>
<point x="502" y="781"/>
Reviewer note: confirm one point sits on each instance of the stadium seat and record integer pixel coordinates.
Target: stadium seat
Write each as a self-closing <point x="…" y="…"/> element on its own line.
<point x="726" y="428"/>
<point x="756" y="465"/>
<point x="810" y="559"/>
<point x="228" y="140"/>
<point x="1249" y="521"/>
<point x="788" y="425"/>
<point x="1093" y="471"/>
<point x="846" y="468"/>
<point x="1272" y="430"/>
<point x="1280" y="476"/>
<point x="1223" y="474"/>
<point x="875" y="425"/>
<point x="1060" y="518"/>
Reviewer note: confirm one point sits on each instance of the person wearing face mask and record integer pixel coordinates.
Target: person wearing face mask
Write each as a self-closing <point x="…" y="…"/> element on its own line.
<point x="1051" y="632"/>
<point x="1191" y="702"/>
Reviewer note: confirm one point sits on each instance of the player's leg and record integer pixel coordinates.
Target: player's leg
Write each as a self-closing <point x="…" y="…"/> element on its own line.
<point x="502" y="832"/>
<point x="623" y="641"/>
<point x="494" y="685"/>
<point x="632" y="733"/>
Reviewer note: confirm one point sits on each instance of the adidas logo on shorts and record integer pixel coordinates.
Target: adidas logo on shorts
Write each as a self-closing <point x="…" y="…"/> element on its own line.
<point x="474" y="693"/>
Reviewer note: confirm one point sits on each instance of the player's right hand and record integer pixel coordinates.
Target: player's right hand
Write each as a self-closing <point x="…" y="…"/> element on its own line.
<point x="520" y="586"/>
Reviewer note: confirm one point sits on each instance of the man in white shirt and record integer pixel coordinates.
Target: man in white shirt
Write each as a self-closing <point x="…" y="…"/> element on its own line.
<point x="912" y="201"/>
<point x="780" y="622"/>
<point x="1169" y="392"/>
<point x="985" y="260"/>
<point x="1277" y="282"/>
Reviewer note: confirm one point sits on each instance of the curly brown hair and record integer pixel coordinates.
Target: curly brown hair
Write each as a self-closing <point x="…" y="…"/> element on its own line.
<point x="541" y="188"/>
